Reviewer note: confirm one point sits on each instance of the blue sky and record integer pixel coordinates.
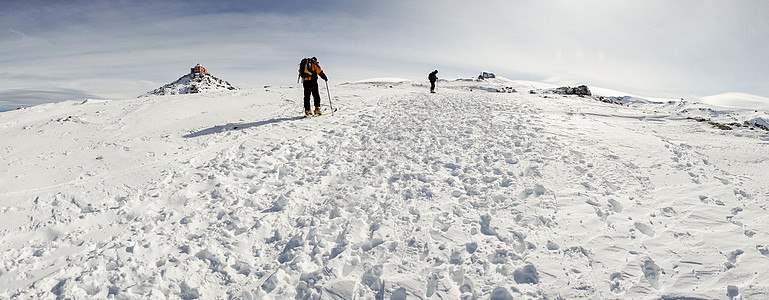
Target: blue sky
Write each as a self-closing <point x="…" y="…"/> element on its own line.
<point x="58" y="50"/>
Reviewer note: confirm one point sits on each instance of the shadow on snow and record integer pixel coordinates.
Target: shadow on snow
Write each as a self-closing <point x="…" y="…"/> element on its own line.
<point x="238" y="126"/>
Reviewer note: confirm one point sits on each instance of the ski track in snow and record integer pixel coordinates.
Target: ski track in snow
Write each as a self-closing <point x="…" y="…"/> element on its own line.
<point x="402" y="193"/>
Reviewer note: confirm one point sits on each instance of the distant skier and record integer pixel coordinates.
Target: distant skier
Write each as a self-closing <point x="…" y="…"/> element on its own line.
<point x="309" y="70"/>
<point x="433" y="78"/>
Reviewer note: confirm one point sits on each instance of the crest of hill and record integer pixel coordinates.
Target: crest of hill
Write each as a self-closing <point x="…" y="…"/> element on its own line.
<point x="195" y="82"/>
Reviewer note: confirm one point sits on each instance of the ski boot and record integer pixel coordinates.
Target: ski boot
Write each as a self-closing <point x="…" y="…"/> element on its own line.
<point x="317" y="111"/>
<point x="308" y="113"/>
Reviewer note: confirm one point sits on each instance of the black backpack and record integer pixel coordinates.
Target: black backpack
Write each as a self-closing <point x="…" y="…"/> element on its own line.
<point x="305" y="68"/>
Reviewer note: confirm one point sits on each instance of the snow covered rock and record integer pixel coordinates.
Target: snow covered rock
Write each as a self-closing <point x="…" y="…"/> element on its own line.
<point x="197" y="81"/>
<point x="760" y="123"/>
<point x="626" y="100"/>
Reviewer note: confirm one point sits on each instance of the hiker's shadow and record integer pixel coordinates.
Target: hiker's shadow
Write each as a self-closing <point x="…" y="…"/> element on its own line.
<point x="238" y="126"/>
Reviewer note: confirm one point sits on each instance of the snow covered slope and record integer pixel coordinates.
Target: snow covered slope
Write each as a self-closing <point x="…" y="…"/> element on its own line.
<point x="466" y="193"/>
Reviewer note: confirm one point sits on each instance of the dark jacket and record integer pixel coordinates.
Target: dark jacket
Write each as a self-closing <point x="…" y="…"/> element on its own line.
<point x="433" y="76"/>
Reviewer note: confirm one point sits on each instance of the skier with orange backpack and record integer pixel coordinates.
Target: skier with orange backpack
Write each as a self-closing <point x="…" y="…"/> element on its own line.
<point x="309" y="71"/>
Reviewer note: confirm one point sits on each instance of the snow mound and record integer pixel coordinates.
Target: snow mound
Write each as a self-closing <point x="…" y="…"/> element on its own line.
<point x="94" y="101"/>
<point x="523" y="85"/>
<point x="192" y="83"/>
<point x="382" y="80"/>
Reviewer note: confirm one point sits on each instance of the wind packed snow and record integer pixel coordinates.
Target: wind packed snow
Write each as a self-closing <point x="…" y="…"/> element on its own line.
<point x="484" y="190"/>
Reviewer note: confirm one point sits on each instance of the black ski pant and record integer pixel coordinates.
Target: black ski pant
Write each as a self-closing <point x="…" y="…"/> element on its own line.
<point x="311" y="87"/>
<point x="432" y="86"/>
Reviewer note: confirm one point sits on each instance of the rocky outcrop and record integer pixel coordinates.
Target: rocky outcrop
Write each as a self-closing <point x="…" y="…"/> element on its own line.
<point x="581" y="90"/>
<point x="192" y="83"/>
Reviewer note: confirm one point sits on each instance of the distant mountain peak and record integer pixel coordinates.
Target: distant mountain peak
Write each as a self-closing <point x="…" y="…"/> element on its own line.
<point x="197" y="81"/>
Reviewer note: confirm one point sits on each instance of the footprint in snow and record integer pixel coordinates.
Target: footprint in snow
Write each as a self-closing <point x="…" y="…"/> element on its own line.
<point x="616" y="282"/>
<point x="651" y="272"/>
<point x="500" y="293"/>
<point x="732" y="256"/>
<point x="763" y="249"/>
<point x="552" y="246"/>
<point x="615" y="206"/>
<point x="486" y="227"/>
<point x="526" y="274"/>
<point x="668" y="211"/>
<point x="645" y="229"/>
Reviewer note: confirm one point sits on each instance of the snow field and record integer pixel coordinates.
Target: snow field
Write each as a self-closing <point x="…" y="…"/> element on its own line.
<point x="403" y="194"/>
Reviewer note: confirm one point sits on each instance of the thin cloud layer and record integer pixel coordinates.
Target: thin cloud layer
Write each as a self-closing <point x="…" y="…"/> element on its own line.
<point x="13" y="99"/>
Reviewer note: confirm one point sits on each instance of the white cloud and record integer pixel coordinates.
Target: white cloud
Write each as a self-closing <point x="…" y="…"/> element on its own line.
<point x="738" y="100"/>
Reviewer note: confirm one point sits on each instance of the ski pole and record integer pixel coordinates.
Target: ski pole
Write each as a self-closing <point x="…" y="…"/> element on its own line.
<point x="329" y="99"/>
